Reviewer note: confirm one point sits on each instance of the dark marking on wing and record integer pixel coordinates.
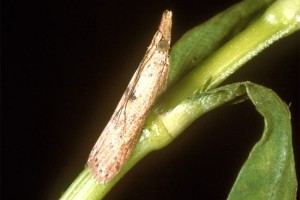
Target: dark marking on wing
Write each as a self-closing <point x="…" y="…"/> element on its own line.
<point x="163" y="46"/>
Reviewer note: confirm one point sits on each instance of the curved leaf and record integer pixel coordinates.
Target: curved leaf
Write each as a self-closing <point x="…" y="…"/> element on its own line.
<point x="269" y="172"/>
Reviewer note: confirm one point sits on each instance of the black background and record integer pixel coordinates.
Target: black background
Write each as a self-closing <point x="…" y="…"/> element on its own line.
<point x="65" y="65"/>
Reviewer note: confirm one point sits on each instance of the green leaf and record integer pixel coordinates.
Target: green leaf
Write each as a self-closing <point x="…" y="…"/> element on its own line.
<point x="269" y="172"/>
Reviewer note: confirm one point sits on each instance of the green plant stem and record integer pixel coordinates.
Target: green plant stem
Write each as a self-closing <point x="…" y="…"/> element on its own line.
<point x="281" y="19"/>
<point x="201" y="41"/>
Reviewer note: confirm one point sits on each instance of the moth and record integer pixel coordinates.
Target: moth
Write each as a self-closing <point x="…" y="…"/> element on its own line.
<point x="118" y="139"/>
